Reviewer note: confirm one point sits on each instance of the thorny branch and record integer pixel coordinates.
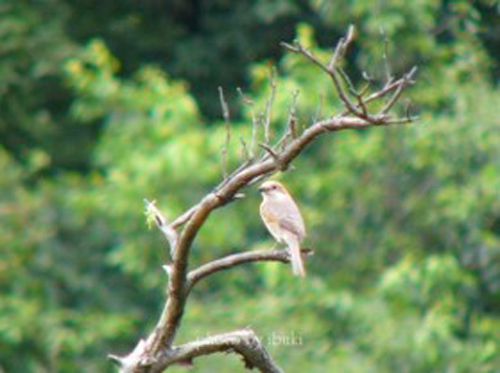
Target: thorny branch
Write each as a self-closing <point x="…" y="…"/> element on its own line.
<point x="158" y="351"/>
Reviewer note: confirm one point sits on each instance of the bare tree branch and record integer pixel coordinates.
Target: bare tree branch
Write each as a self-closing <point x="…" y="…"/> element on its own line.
<point x="292" y="118"/>
<point x="182" y="219"/>
<point x="385" y="56"/>
<point x="157" y="352"/>
<point x="332" y="72"/>
<point x="255" y="122"/>
<point x="395" y="97"/>
<point x="233" y="260"/>
<point x="269" y="107"/>
<point x="272" y="153"/>
<point x="353" y="92"/>
<point x="244" y="150"/>
<point x="342" y="47"/>
<point x="243" y="342"/>
<point x="225" y="147"/>
<point x="162" y="223"/>
<point x="332" y="67"/>
<point x="386" y="90"/>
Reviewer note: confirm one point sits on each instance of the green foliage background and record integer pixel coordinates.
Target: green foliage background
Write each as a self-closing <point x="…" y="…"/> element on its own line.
<point x="103" y="104"/>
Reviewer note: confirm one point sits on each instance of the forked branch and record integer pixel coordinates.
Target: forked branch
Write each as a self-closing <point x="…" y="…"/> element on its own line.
<point x="243" y="342"/>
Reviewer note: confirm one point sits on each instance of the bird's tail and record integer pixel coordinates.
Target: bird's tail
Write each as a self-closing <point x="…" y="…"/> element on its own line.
<point x="296" y="256"/>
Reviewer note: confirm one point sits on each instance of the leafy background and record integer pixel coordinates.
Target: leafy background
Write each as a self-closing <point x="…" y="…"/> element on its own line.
<point x="103" y="104"/>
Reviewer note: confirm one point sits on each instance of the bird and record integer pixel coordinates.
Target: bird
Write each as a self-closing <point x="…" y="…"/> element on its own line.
<point x="283" y="220"/>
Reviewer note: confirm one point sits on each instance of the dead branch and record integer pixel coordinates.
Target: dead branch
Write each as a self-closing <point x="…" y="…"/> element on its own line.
<point x="255" y="122"/>
<point x="162" y="224"/>
<point x="332" y="68"/>
<point x="226" y="115"/>
<point x="233" y="260"/>
<point x="158" y="351"/>
<point x="243" y="342"/>
<point x="269" y="108"/>
<point x="405" y="81"/>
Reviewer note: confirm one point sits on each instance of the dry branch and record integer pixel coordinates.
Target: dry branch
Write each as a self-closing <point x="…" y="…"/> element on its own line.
<point x="161" y="222"/>
<point x="233" y="260"/>
<point x="158" y="352"/>
<point x="226" y="115"/>
<point x="243" y="342"/>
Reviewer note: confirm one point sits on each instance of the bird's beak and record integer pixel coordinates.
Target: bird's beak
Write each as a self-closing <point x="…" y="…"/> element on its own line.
<point x="261" y="189"/>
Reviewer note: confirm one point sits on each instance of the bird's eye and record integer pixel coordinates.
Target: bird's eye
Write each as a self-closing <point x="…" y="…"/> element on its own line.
<point x="274" y="187"/>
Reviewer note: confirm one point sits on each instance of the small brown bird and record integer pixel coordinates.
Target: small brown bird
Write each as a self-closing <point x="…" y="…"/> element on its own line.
<point x="282" y="218"/>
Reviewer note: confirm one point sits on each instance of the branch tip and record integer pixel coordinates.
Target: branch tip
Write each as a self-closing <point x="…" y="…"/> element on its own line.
<point x="226" y="115"/>
<point x="168" y="269"/>
<point x="351" y="34"/>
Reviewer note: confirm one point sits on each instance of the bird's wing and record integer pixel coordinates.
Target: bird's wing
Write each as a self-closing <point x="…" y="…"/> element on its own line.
<point x="290" y="218"/>
<point x="292" y="226"/>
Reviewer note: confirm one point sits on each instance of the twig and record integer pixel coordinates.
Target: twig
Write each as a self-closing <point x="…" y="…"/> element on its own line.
<point x="383" y="92"/>
<point x="182" y="219"/>
<point x="395" y="97"/>
<point x="319" y="108"/>
<point x="270" y="151"/>
<point x="347" y="81"/>
<point x="275" y="156"/>
<point x="331" y="69"/>
<point x="269" y="107"/>
<point x="292" y="126"/>
<point x="341" y="48"/>
<point x="255" y="122"/>
<point x="292" y="117"/>
<point x="162" y="224"/>
<point x="353" y="92"/>
<point x="244" y="150"/>
<point x="385" y="56"/>
<point x="407" y="120"/>
<point x="234" y="173"/>
<point x="225" y="113"/>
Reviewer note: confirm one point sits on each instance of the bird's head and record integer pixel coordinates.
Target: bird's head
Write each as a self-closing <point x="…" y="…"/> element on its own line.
<point x="272" y="188"/>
